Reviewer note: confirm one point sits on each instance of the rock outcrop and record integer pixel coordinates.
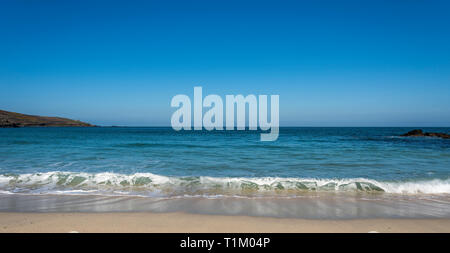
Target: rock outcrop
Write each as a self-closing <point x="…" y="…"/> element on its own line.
<point x="420" y="133"/>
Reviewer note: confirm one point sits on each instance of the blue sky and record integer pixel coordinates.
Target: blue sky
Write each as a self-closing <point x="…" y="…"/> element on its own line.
<point x="333" y="63"/>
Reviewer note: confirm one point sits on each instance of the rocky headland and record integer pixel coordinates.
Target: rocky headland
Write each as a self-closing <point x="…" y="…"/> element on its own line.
<point x="13" y="119"/>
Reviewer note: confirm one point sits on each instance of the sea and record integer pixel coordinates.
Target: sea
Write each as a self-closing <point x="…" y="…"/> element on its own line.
<point x="309" y="172"/>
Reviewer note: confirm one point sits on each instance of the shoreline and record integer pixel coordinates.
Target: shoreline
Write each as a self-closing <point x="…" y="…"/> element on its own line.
<point x="146" y="222"/>
<point x="308" y="207"/>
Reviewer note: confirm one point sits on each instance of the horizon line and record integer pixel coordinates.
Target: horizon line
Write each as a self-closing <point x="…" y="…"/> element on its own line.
<point x="289" y="127"/>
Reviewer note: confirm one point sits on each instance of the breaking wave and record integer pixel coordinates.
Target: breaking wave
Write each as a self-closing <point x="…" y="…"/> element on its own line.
<point x="148" y="184"/>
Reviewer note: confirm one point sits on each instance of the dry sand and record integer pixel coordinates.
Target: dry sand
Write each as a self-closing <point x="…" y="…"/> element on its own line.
<point x="189" y="223"/>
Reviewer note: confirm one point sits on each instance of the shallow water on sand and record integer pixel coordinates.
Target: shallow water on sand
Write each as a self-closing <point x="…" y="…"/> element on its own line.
<point x="314" y="206"/>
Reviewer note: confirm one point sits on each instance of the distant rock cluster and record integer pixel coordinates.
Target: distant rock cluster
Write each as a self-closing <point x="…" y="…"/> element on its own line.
<point x="420" y="133"/>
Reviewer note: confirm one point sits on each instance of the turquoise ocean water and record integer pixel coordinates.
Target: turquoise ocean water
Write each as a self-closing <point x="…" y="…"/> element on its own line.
<point x="160" y="162"/>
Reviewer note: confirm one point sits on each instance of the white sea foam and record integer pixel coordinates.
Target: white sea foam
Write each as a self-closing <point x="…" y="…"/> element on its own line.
<point x="58" y="182"/>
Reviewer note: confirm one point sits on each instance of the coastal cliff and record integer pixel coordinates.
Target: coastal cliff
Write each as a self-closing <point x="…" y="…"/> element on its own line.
<point x="13" y="119"/>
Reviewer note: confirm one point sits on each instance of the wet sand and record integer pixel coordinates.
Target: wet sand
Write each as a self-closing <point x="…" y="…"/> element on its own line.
<point x="316" y="213"/>
<point x="190" y="223"/>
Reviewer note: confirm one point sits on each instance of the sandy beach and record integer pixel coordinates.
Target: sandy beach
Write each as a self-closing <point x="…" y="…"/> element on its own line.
<point x="191" y="223"/>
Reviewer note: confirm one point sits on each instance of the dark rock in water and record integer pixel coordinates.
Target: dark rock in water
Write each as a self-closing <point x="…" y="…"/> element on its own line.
<point x="13" y="119"/>
<point x="440" y="135"/>
<point x="415" y="132"/>
<point x="420" y="133"/>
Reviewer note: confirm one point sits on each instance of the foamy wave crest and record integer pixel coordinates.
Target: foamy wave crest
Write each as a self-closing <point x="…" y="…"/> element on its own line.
<point x="149" y="184"/>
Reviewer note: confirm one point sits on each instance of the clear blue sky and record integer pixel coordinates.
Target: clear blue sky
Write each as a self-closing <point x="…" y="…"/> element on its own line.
<point x="333" y="63"/>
